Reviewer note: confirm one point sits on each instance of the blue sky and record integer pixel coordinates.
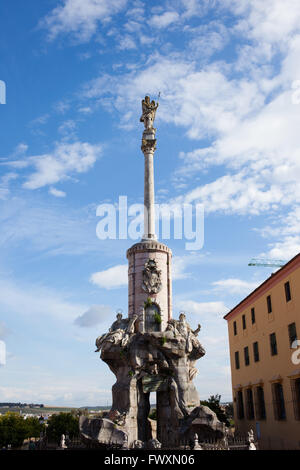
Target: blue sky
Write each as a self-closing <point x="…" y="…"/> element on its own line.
<point x="228" y="137"/>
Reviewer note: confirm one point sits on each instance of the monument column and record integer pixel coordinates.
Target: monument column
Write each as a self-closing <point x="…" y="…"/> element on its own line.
<point x="149" y="273"/>
<point x="148" y="149"/>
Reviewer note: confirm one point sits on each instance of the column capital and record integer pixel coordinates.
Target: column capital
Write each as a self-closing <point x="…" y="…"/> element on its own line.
<point x="148" y="146"/>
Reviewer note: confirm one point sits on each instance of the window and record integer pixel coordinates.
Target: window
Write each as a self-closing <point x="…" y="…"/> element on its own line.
<point x="234" y="328"/>
<point x="278" y="401"/>
<point x="273" y="344"/>
<point x="237" y="360"/>
<point x="255" y="351"/>
<point x="240" y="405"/>
<point x="244" y="321"/>
<point x="260" y="403"/>
<point x="152" y="318"/>
<point x="295" y="383"/>
<point x="246" y="355"/>
<point x="292" y="333"/>
<point x="287" y="289"/>
<point x="253" y="315"/>
<point x="250" y="405"/>
<point x="269" y="304"/>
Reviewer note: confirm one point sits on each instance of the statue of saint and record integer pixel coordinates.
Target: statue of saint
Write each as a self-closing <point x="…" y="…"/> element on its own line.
<point x="182" y="328"/>
<point x="148" y="112"/>
<point x="119" y="332"/>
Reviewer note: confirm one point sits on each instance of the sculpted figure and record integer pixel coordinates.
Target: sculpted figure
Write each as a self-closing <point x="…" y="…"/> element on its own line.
<point x="148" y="112"/>
<point x="137" y="444"/>
<point x="182" y="328"/>
<point x="119" y="332"/>
<point x="129" y="330"/>
<point x="154" y="444"/>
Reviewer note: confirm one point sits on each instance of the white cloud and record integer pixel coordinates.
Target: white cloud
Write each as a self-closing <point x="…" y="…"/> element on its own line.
<point x="208" y="38"/>
<point x="236" y="194"/>
<point x="37" y="300"/>
<point x="164" y="20"/>
<point x="205" y="309"/>
<point x="284" y="249"/>
<point x="268" y="21"/>
<point x="65" y="160"/>
<point x="126" y="43"/>
<point x="85" y="110"/>
<point x="181" y="263"/>
<point x="112" y="278"/>
<point x="4" y="331"/>
<point x="50" y="228"/>
<point x="285" y="230"/>
<point x="52" y="391"/>
<point x="251" y="119"/>
<point x="80" y="18"/>
<point x="57" y="192"/>
<point x="235" y="286"/>
<point x="194" y="7"/>
<point x="67" y="128"/>
<point x="5" y="184"/>
<point x="95" y="315"/>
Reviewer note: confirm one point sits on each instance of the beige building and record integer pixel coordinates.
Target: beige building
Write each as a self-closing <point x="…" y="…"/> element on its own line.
<point x="265" y="359"/>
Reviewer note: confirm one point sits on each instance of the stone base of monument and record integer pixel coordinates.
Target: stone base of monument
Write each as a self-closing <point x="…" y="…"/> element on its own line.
<point x="101" y="433"/>
<point x="160" y="362"/>
<point x="105" y="433"/>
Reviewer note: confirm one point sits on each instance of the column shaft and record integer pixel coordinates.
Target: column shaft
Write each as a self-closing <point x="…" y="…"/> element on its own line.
<point x="149" y="211"/>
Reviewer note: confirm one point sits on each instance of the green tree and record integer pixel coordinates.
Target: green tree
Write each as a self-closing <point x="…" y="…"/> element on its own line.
<point x="62" y="423"/>
<point x="14" y="429"/>
<point x="153" y="414"/>
<point x="214" y="404"/>
<point x="33" y="427"/>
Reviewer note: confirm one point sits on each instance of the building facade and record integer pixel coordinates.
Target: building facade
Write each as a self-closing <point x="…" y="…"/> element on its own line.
<point x="265" y="360"/>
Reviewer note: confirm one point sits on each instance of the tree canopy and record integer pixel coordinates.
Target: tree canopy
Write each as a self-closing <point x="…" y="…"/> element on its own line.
<point x="214" y="404"/>
<point x="62" y="423"/>
<point x="14" y="428"/>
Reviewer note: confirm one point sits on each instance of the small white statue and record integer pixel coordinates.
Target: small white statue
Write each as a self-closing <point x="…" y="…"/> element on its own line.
<point x="196" y="443"/>
<point x="63" y="442"/>
<point x="251" y="440"/>
<point x="138" y="444"/>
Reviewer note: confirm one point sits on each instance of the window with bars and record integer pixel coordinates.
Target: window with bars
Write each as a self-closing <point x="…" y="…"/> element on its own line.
<point x="253" y="315"/>
<point x="273" y="344"/>
<point x="246" y="356"/>
<point x="287" y="289"/>
<point x="269" y="304"/>
<point x="240" y="405"/>
<point x="295" y="385"/>
<point x="250" y="404"/>
<point x="292" y="333"/>
<point x="237" y="360"/>
<point x="260" y="407"/>
<point x="255" y="351"/>
<point x="278" y="401"/>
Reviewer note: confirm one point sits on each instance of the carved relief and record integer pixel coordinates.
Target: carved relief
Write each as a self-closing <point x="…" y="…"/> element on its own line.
<point x="151" y="278"/>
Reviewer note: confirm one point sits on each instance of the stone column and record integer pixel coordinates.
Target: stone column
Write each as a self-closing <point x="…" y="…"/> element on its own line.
<point x="148" y="149"/>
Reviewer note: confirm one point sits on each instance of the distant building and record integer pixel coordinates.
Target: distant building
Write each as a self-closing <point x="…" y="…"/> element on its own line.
<point x="265" y="359"/>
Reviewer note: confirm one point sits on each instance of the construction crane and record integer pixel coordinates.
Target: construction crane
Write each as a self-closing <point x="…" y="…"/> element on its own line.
<point x="270" y="263"/>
